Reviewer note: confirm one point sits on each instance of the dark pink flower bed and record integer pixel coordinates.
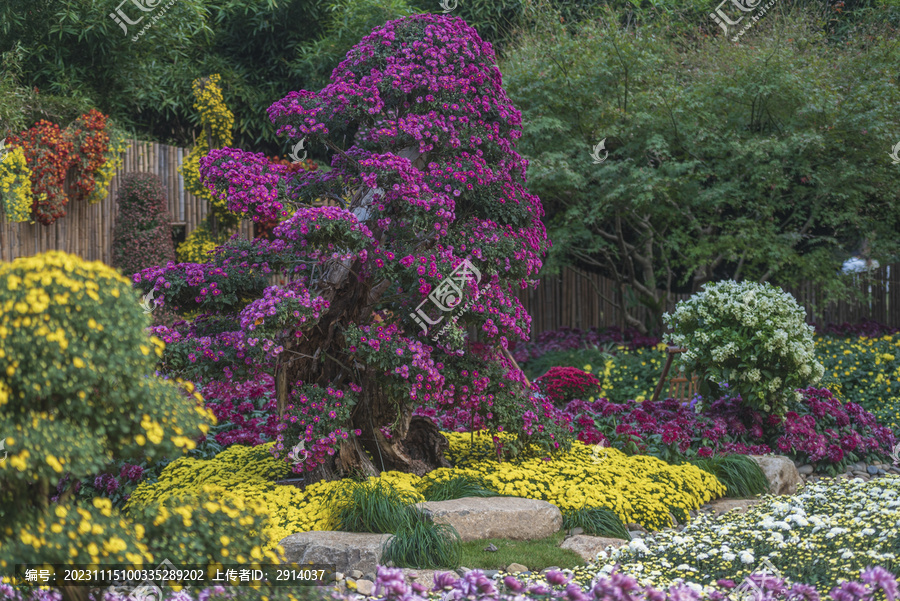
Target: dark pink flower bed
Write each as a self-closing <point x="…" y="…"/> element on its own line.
<point x="818" y="430"/>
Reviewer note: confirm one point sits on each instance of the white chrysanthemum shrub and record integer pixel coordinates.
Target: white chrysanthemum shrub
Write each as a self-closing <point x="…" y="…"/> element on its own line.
<point x="752" y="336"/>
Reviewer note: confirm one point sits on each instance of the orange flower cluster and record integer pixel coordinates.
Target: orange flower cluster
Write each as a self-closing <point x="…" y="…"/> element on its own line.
<point x="91" y="143"/>
<point x="47" y="152"/>
<point x="51" y="152"/>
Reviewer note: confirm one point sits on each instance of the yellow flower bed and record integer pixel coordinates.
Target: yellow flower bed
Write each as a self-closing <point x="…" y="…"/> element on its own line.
<point x="639" y="489"/>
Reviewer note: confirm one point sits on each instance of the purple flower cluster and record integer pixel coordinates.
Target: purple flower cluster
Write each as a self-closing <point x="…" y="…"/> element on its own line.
<point x="281" y="309"/>
<point x="311" y="428"/>
<point x="316" y="233"/>
<point x="248" y="182"/>
<point x="390" y="585"/>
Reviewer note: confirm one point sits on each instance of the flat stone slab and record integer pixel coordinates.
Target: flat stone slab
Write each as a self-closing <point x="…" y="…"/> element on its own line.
<point x="781" y="472"/>
<point x="515" y="518"/>
<point x="721" y="506"/>
<point x="589" y="546"/>
<point x="345" y="550"/>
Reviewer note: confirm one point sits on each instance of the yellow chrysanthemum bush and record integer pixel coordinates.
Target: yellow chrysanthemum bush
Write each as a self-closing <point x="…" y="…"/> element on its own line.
<point x="15" y="186"/>
<point x="217" y="122"/>
<point x="77" y="389"/>
<point x="207" y="526"/>
<point x="638" y="489"/>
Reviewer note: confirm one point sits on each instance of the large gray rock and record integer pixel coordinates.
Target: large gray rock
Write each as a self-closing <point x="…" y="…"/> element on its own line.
<point x="780" y="471"/>
<point x="589" y="546"/>
<point x="513" y="518"/>
<point x="346" y="551"/>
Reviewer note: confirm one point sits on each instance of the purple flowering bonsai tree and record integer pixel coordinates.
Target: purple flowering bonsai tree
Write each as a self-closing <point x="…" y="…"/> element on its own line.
<point x="430" y="231"/>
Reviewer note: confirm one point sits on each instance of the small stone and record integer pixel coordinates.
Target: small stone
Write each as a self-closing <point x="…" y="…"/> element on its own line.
<point x="635" y="533"/>
<point x="881" y="472"/>
<point x="637" y="527"/>
<point x="355" y="574"/>
<point x="491" y="548"/>
<point x="462" y="571"/>
<point x="338" y="576"/>
<point x="365" y="587"/>
<point x="859" y="467"/>
<point x="491" y="573"/>
<point x="370" y="576"/>
<point x="872" y="470"/>
<point x="576" y="531"/>
<point x="805" y="470"/>
<point x="516" y="567"/>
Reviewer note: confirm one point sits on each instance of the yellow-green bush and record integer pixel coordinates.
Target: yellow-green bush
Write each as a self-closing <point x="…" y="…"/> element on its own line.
<point x="76" y="390"/>
<point x="638" y="489"/>
<point x="15" y="186"/>
<point x="205" y="527"/>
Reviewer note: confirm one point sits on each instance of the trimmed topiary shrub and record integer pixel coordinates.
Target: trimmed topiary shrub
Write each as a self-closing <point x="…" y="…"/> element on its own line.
<point x="754" y="337"/>
<point x="77" y="389"/>
<point x="143" y="234"/>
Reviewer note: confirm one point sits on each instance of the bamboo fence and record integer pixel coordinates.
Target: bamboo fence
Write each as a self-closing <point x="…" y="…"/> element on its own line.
<point x="575" y="299"/>
<point x="87" y="230"/>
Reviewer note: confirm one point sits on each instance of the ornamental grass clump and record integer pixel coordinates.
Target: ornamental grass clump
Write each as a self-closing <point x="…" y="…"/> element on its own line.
<point x="753" y="337"/>
<point x="423" y="545"/>
<point x="143" y="235"/>
<point x="372" y="507"/>
<point x="598" y="521"/>
<point x="457" y="487"/>
<point x="739" y="473"/>
<point x="77" y="388"/>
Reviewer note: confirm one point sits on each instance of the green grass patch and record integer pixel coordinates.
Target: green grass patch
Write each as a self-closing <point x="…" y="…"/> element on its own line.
<point x="743" y="476"/>
<point x="536" y="554"/>
<point x="458" y="487"/>
<point x="424" y="545"/>
<point x="597" y="521"/>
<point x="373" y="507"/>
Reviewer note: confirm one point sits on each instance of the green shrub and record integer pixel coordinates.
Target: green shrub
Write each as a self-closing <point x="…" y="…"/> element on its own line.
<point x="743" y="476"/>
<point x="598" y="521"/>
<point x="373" y="507"/>
<point x="206" y="528"/>
<point x="423" y="544"/>
<point x="458" y="487"/>
<point x="143" y="234"/>
<point x="752" y="336"/>
<point x="76" y="390"/>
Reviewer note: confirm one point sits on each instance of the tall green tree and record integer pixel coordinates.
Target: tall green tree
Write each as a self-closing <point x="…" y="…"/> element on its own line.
<point x="765" y="160"/>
